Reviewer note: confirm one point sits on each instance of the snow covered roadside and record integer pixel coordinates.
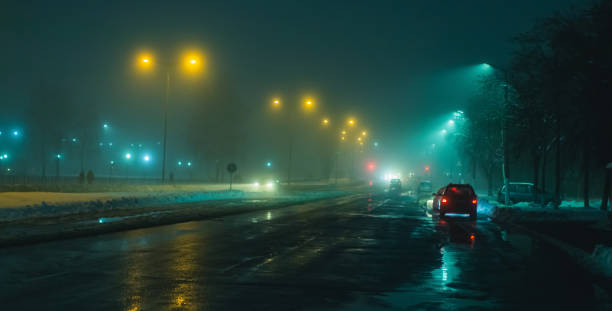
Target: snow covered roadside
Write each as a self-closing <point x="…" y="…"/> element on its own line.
<point x="602" y="256"/>
<point x="107" y="203"/>
<point x="526" y="212"/>
<point x="550" y="225"/>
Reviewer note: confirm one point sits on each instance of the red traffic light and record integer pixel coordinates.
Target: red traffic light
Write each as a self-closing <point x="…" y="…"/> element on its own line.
<point x="371" y="166"/>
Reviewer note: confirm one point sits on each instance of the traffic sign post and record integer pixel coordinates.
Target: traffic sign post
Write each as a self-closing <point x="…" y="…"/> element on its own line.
<point x="231" y="168"/>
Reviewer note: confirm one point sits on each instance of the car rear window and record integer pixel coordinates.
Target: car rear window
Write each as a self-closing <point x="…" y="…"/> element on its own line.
<point x="464" y="191"/>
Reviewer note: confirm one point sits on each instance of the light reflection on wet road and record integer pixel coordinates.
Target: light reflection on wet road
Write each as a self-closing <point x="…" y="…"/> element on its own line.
<point x="368" y="253"/>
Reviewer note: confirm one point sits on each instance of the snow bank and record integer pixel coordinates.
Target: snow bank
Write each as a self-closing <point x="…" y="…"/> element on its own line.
<point x="602" y="255"/>
<point x="45" y="209"/>
<point x="483" y="207"/>
<point x="538" y="214"/>
<point x="579" y="204"/>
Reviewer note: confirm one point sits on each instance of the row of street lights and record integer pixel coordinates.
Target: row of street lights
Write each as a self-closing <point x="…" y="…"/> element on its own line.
<point x="308" y="106"/>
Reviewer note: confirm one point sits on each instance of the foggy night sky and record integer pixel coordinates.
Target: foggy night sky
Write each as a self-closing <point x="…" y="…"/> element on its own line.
<point x="387" y="62"/>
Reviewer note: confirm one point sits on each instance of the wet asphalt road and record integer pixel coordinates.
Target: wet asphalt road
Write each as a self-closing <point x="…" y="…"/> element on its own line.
<point x="362" y="253"/>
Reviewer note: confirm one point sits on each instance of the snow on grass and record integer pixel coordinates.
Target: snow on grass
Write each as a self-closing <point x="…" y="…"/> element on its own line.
<point x="534" y="212"/>
<point x="602" y="255"/>
<point x="101" y="204"/>
<point x="20" y="199"/>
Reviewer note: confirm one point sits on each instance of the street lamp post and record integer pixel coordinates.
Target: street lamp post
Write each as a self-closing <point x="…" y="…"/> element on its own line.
<point x="503" y="135"/>
<point x="110" y="176"/>
<point x="192" y="62"/>
<point x="308" y="105"/>
<point x="57" y="167"/>
<point x="163" y="177"/>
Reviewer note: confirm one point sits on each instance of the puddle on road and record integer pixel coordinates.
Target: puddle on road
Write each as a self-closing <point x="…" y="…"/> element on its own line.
<point x="442" y="289"/>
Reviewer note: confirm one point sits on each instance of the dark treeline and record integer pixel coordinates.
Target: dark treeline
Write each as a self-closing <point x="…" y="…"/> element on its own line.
<point x="551" y="105"/>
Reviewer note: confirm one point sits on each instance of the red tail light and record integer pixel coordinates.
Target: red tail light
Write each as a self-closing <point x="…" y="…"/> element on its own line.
<point x="444" y="200"/>
<point x="474" y="201"/>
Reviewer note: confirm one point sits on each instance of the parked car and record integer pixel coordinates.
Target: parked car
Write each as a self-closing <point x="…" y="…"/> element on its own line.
<point x="524" y="192"/>
<point x="455" y="199"/>
<point x="424" y="188"/>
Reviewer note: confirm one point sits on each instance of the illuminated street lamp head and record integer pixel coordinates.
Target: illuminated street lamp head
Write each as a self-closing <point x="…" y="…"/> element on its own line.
<point x="144" y="61"/>
<point x="188" y="163"/>
<point x="343" y="132"/>
<point x="364" y="133"/>
<point x="276" y="103"/>
<point x="443" y="132"/>
<point x="486" y="66"/>
<point x="351" y="122"/>
<point x="358" y="138"/>
<point x="308" y="105"/>
<point x="192" y="62"/>
<point x="180" y="163"/>
<point x="59" y="156"/>
<point x="451" y="122"/>
<point x="128" y="156"/>
<point x="342" y="138"/>
<point x="325" y="121"/>
<point x="146" y="158"/>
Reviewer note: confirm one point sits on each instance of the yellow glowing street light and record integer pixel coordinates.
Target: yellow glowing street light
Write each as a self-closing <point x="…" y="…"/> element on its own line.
<point x="308" y="104"/>
<point x="342" y="138"/>
<point x="364" y="133"/>
<point x="358" y="138"/>
<point x="351" y="122"/>
<point x="276" y="103"/>
<point x="190" y="61"/>
<point x="343" y="132"/>
<point x="325" y="121"/>
<point x="144" y="61"/>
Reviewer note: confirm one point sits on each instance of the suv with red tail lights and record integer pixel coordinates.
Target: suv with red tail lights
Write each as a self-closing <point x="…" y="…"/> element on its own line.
<point x="455" y="199"/>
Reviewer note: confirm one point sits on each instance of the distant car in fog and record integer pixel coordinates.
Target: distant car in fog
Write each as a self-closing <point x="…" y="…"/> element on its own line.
<point x="424" y="189"/>
<point x="455" y="199"/>
<point x="524" y="192"/>
<point x="395" y="186"/>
